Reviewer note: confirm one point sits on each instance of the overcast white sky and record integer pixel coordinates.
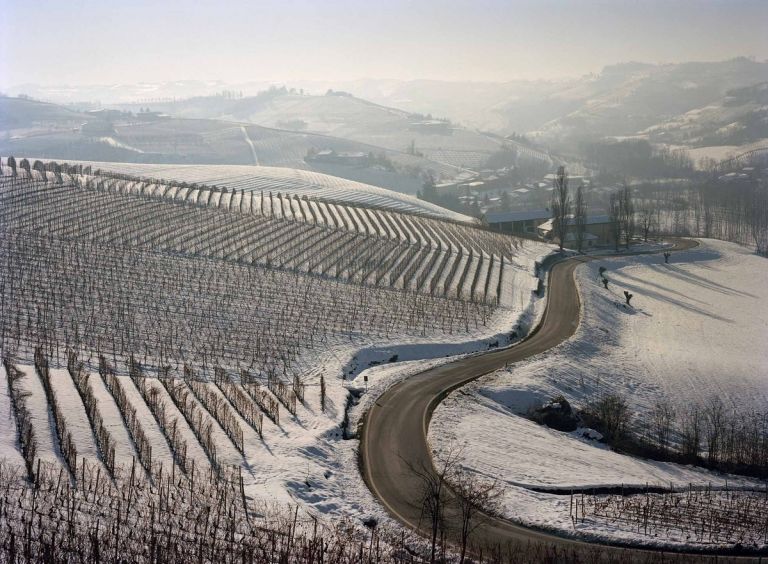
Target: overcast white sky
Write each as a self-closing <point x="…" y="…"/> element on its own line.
<point x="109" y="41"/>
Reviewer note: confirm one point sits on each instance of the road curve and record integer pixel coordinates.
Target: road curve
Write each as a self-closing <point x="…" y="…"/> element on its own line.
<point x="394" y="433"/>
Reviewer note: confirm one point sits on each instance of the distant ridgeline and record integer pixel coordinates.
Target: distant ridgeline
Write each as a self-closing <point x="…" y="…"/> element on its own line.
<point x="183" y="274"/>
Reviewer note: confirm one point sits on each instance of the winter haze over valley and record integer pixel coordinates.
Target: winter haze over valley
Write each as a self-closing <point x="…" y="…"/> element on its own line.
<point x="384" y="282"/>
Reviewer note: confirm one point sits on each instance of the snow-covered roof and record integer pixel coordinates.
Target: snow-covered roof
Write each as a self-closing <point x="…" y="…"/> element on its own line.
<point x="594" y="219"/>
<point x="591" y="220"/>
<point x="503" y="217"/>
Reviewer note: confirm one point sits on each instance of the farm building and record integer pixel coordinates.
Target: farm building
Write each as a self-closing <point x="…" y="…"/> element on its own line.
<point x="431" y="126"/>
<point x="572" y="180"/>
<point x="358" y="158"/>
<point x="517" y="221"/>
<point x="597" y="231"/>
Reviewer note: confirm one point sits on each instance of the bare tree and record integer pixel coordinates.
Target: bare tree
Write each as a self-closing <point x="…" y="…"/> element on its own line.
<point x="714" y="418"/>
<point x="646" y="219"/>
<point x="662" y="420"/>
<point x="690" y="432"/>
<point x="611" y="414"/>
<point x="434" y="492"/>
<point x="627" y="214"/>
<point x="706" y="202"/>
<point x="614" y="214"/>
<point x="473" y="496"/>
<point x="580" y="217"/>
<point x="561" y="206"/>
<point x="758" y="218"/>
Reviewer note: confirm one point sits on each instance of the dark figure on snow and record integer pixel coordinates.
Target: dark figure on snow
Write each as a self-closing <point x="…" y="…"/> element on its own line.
<point x="666" y="257"/>
<point x="605" y="282"/>
<point x="601" y="271"/>
<point x="628" y="296"/>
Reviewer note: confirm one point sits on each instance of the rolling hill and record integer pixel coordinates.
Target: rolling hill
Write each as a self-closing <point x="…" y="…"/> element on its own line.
<point x="738" y="118"/>
<point x="341" y="115"/>
<point x="54" y="132"/>
<point x="626" y="99"/>
<point x="34" y="116"/>
<point x="189" y="326"/>
<point x="287" y="181"/>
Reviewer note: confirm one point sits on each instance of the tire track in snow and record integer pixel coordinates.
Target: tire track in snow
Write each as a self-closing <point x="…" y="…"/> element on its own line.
<point x="250" y="144"/>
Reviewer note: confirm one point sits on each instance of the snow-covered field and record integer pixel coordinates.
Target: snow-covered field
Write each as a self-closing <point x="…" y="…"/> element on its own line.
<point x="696" y="330"/>
<point x="309" y="461"/>
<point x="287" y="181"/>
<point x="307" y="458"/>
<point x="721" y="152"/>
<point x="304" y="459"/>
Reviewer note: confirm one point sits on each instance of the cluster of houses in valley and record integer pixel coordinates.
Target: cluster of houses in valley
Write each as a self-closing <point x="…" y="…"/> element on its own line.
<point x="495" y="190"/>
<point x="330" y="156"/>
<point x="524" y="209"/>
<point x="539" y="223"/>
<point x="506" y="206"/>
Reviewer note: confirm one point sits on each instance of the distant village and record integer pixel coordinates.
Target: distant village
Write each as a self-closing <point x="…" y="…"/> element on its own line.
<point x="504" y="203"/>
<point x="522" y="208"/>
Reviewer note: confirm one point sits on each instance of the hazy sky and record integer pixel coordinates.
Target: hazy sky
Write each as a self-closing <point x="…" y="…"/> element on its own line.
<point x="107" y="41"/>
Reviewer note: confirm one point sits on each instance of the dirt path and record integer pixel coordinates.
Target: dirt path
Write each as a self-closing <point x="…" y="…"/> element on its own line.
<point x="250" y="144"/>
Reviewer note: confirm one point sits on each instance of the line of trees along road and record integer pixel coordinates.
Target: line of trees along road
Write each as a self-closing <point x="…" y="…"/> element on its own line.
<point x="731" y="209"/>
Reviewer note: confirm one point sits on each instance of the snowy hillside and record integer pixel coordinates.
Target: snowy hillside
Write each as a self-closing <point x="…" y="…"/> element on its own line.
<point x="352" y="118"/>
<point x="286" y="181"/>
<point x="694" y="335"/>
<point x="345" y="117"/>
<point x="627" y="98"/>
<point x="54" y="132"/>
<point x="177" y="329"/>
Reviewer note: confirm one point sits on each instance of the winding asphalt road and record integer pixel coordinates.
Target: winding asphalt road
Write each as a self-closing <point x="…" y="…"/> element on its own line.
<point x="394" y="434"/>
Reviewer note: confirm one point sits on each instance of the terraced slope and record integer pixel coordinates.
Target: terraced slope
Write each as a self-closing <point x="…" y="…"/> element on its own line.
<point x="157" y="332"/>
<point x="287" y="181"/>
<point x="193" y="273"/>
